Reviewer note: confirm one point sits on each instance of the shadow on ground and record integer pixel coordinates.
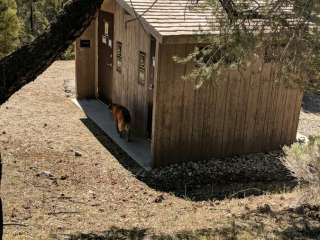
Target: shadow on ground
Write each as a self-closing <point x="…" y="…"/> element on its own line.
<point x="299" y="223"/>
<point x="217" y="179"/>
<point x="311" y="103"/>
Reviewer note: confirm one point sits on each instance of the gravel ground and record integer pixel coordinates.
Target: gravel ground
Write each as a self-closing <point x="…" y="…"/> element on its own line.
<point x="64" y="178"/>
<point x="309" y="123"/>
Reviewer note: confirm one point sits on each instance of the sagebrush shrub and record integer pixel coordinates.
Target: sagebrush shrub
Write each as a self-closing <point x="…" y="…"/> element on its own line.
<point x="303" y="161"/>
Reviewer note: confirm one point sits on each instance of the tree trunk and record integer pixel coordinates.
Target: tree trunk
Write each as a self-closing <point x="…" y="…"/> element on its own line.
<point x="28" y="62"/>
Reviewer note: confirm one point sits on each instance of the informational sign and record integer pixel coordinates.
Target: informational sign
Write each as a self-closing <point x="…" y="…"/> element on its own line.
<point x="104" y="40"/>
<point x="85" y="43"/>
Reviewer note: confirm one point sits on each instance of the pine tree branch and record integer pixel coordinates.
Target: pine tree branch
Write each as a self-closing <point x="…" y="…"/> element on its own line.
<point x="28" y="62"/>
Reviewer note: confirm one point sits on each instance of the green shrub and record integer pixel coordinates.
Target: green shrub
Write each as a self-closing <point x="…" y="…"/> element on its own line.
<point x="9" y="27"/>
<point x="69" y="54"/>
<point x="303" y="161"/>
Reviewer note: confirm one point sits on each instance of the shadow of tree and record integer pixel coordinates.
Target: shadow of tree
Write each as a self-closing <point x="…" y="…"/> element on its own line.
<point x="200" y="186"/>
<point x="300" y="223"/>
<point x="311" y="103"/>
<point x="304" y="222"/>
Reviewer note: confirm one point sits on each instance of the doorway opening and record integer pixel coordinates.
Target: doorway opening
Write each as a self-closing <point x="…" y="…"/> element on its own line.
<point x="152" y="71"/>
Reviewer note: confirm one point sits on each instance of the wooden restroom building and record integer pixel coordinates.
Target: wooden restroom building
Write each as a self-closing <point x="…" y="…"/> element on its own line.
<point x="126" y="56"/>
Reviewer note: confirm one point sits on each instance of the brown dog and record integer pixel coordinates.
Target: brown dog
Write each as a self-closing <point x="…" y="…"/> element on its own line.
<point x="122" y="119"/>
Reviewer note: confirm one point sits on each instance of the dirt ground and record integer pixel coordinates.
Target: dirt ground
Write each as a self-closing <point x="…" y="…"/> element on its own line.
<point x="64" y="179"/>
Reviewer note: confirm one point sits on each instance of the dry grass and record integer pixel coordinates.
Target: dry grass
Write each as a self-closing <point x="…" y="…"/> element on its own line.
<point x="303" y="160"/>
<point x="50" y="193"/>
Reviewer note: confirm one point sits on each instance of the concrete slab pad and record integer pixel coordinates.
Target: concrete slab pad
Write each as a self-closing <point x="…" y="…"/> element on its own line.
<point x="138" y="149"/>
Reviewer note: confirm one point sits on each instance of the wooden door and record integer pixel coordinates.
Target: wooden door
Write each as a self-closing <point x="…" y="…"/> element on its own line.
<point x="105" y="55"/>
<point x="150" y="90"/>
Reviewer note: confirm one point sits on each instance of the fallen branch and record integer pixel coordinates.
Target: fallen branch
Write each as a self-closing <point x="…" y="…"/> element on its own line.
<point x="57" y="213"/>
<point x="15" y="224"/>
<point x="246" y="190"/>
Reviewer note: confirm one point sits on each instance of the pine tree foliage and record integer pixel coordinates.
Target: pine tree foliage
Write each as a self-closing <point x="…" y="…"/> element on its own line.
<point x="9" y="27"/>
<point x="32" y="18"/>
<point x="282" y="32"/>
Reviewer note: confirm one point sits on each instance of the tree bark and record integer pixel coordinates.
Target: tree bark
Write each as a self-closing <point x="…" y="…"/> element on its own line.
<point x="28" y="62"/>
<point x="228" y="6"/>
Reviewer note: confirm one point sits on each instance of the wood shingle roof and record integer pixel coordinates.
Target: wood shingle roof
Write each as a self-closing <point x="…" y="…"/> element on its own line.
<point x="164" y="18"/>
<point x="173" y="17"/>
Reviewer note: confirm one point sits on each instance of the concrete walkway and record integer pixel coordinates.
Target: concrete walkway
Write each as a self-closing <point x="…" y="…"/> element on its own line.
<point x="138" y="149"/>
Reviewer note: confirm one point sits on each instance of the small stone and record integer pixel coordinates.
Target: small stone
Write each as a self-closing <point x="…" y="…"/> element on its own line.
<point x="159" y="199"/>
<point x="77" y="154"/>
<point x="4" y="132"/>
<point x="13" y="213"/>
<point x="64" y="177"/>
<point x="45" y="174"/>
<point x="45" y="125"/>
<point x="264" y="209"/>
<point x="26" y="206"/>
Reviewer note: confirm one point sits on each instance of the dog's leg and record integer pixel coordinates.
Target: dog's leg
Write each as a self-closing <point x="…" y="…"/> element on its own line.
<point x="117" y="128"/>
<point x="128" y="134"/>
<point x="121" y="134"/>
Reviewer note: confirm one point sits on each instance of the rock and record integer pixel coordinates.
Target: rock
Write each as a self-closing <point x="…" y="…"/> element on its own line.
<point x="13" y="213"/>
<point x="26" y="206"/>
<point x="91" y="192"/>
<point x="159" y="199"/>
<point x="265" y="209"/>
<point x="45" y="174"/>
<point x="77" y="154"/>
<point x="64" y="177"/>
<point x="302" y="139"/>
<point x="45" y="125"/>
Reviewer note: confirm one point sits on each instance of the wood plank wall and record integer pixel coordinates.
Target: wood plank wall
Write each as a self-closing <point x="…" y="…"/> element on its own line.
<point x="245" y="113"/>
<point x="126" y="90"/>
<point x="86" y="64"/>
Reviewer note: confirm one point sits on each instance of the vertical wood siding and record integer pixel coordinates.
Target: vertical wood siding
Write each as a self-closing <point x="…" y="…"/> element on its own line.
<point x="245" y="113"/>
<point x="85" y="64"/>
<point x="126" y="90"/>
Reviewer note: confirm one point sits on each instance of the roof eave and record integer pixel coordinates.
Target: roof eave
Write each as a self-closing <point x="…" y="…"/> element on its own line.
<point x="145" y="24"/>
<point x="183" y="39"/>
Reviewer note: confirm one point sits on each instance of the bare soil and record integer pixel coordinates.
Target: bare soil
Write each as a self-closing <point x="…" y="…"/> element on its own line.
<point x="65" y="179"/>
<point x="310" y="115"/>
